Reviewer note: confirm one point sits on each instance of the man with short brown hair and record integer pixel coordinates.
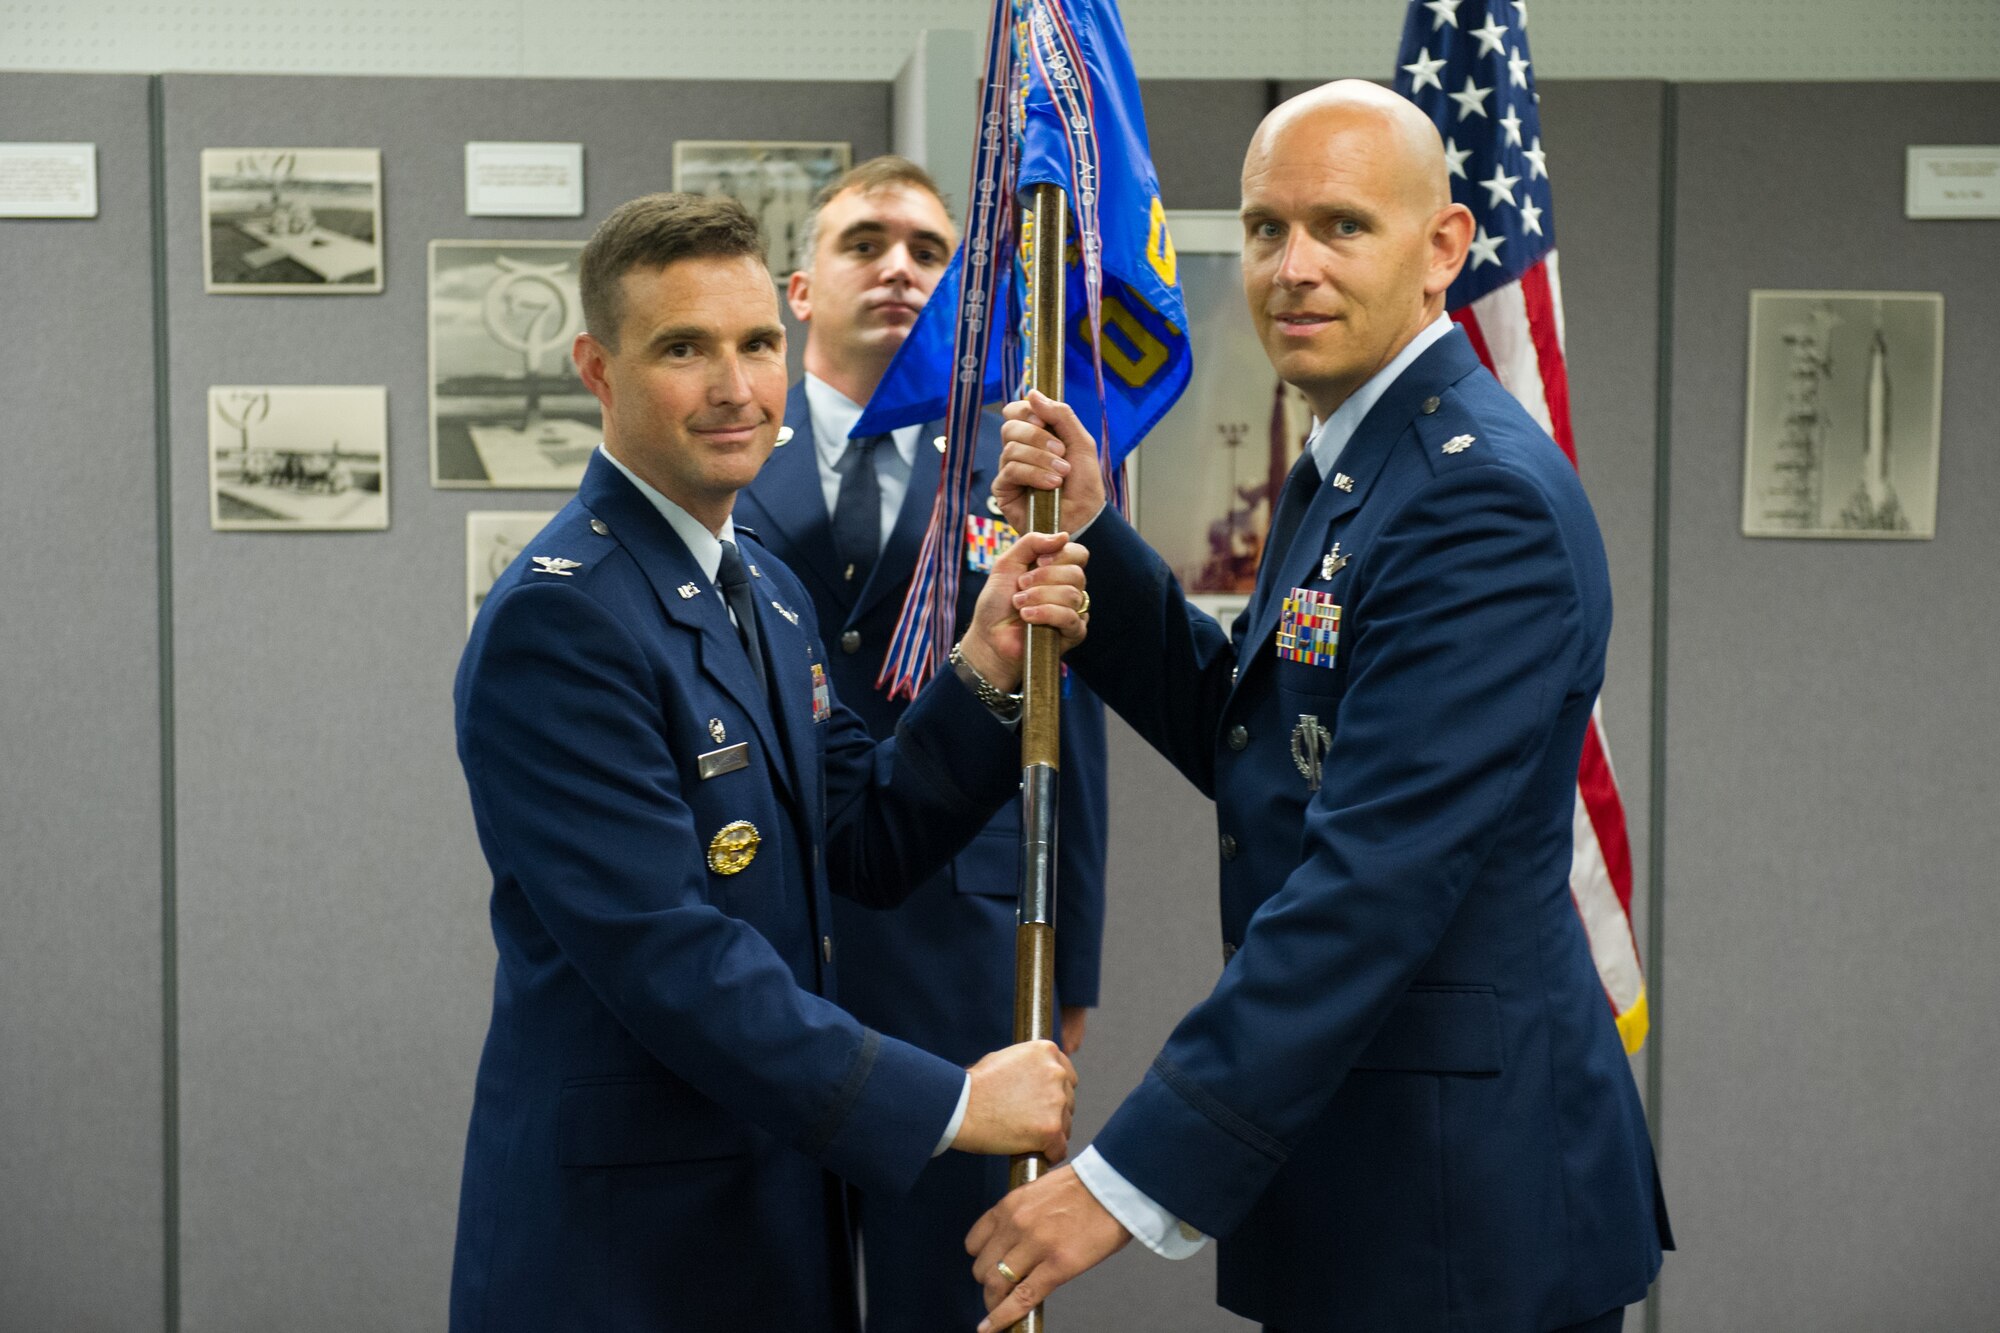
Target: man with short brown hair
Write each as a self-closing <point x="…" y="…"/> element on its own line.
<point x="668" y="791"/>
<point x="850" y="517"/>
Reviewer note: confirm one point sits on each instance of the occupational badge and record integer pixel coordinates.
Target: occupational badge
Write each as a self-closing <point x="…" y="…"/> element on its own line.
<point x="1332" y="562"/>
<point x="733" y="847"/>
<point x="1309" y="628"/>
<point x="822" y="697"/>
<point x="716" y="731"/>
<point x="985" y="538"/>
<point x="786" y="612"/>
<point x="1310" y="740"/>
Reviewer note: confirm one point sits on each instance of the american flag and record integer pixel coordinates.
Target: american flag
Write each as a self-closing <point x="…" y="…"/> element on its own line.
<point x="1465" y="62"/>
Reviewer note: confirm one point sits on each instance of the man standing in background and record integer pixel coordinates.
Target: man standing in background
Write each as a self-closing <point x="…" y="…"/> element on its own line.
<point x="849" y="517"/>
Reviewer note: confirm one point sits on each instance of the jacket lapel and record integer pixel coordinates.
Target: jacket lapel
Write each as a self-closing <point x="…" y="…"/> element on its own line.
<point x="788" y="493"/>
<point x="670" y="566"/>
<point x="789" y="660"/>
<point x="1442" y="364"/>
<point x="899" y="555"/>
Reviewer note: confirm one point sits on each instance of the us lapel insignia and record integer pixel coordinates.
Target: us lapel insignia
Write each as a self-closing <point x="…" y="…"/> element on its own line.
<point x="939" y="443"/>
<point x="716" y="731"/>
<point x="1343" y="482"/>
<point x="1309" y="628"/>
<point x="756" y="573"/>
<point x="985" y="538"/>
<point x="1458" y="444"/>
<point x="822" y="696"/>
<point x="1310" y="740"/>
<point x="555" y="564"/>
<point x="688" y="591"/>
<point x="786" y="612"/>
<point x="1332" y="562"/>
<point x="993" y="505"/>
<point x="733" y="847"/>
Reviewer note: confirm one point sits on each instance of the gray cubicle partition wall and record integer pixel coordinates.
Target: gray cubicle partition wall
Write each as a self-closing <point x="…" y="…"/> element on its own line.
<point x="1831" y="1095"/>
<point x="334" y="958"/>
<point x="81" y="1146"/>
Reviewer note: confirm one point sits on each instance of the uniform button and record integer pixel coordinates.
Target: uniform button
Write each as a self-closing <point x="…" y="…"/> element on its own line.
<point x="1239" y="736"/>
<point x="826" y="947"/>
<point x="1431" y="405"/>
<point x="597" y="525"/>
<point x="1228" y="952"/>
<point x="850" y="642"/>
<point x="1228" y="848"/>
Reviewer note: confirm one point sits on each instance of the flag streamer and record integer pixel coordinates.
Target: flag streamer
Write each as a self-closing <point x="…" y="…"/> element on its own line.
<point x="1059" y="104"/>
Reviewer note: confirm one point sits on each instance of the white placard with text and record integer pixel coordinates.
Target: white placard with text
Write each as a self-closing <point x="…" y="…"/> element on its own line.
<point x="524" y="180"/>
<point x="1958" y="181"/>
<point x="48" y="180"/>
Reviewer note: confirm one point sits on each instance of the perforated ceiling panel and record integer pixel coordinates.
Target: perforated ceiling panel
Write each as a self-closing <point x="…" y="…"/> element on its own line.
<point x="870" y="39"/>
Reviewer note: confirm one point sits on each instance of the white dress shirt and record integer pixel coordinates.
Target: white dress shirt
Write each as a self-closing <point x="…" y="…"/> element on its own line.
<point x="833" y="416"/>
<point x="1156" y="1228"/>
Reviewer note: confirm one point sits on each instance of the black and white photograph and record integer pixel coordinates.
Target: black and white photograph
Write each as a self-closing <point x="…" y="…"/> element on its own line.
<point x="775" y="181"/>
<point x="1841" y="434"/>
<point x="507" y="409"/>
<point x="294" y="221"/>
<point x="494" y="539"/>
<point x="1209" y="473"/>
<point x="298" y="458"/>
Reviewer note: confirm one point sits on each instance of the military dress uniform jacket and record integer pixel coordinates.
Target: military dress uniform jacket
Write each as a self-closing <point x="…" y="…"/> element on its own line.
<point x="1405" y="1104"/>
<point x="667" y="1079"/>
<point x="938" y="971"/>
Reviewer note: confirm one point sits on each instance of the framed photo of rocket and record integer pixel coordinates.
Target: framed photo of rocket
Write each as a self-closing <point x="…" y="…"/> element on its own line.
<point x="1841" y="432"/>
<point x="508" y="409"/>
<point x="775" y="181"/>
<point x="1204" y="481"/>
<point x="291" y="221"/>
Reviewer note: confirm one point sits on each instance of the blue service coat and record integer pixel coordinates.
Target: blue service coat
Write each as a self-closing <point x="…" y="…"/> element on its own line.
<point x="667" y="1079"/>
<point x="938" y="971"/>
<point x="1405" y="1104"/>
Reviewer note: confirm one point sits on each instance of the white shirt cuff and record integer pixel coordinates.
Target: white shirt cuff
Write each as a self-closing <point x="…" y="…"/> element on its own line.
<point x="1156" y="1228"/>
<point x="1084" y="526"/>
<point x="957" y="1118"/>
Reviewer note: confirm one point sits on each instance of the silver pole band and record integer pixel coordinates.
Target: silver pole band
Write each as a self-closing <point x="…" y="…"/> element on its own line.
<point x="1038" y="845"/>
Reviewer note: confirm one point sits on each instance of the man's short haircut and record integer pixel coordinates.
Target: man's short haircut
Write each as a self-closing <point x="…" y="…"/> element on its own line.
<point x="652" y="232"/>
<point x="877" y="173"/>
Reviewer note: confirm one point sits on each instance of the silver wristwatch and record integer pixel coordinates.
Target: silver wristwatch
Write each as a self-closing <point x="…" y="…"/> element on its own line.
<point x="1005" y="706"/>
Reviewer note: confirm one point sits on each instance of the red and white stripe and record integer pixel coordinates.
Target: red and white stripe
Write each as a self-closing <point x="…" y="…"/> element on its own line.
<point x="1518" y="332"/>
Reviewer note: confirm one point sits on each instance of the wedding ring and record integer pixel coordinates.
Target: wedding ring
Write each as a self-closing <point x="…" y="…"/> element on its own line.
<point x="1083" y="609"/>
<point x="1012" y="1277"/>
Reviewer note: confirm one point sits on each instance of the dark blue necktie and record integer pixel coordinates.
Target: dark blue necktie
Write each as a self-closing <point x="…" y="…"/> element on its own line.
<point x="857" y="511"/>
<point x="1301" y="486"/>
<point x="735" y="580"/>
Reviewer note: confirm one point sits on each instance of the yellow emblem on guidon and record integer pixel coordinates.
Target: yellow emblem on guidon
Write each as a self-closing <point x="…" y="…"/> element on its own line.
<point x="733" y="847"/>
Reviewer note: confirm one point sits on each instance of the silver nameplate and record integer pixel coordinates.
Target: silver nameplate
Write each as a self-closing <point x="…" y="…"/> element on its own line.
<point x="726" y="760"/>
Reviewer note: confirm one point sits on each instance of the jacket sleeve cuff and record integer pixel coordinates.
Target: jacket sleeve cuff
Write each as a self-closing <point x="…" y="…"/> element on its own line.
<point x="1190" y="1152"/>
<point x="901" y="1097"/>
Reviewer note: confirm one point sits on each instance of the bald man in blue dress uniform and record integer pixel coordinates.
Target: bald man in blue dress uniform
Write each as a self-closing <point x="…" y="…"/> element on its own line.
<point x="1405" y="1105"/>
